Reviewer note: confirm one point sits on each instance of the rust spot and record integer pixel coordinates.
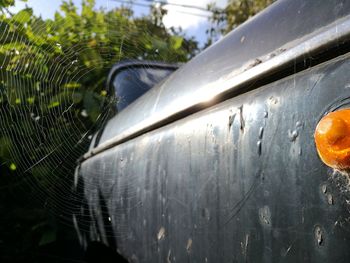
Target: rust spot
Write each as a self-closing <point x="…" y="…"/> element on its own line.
<point x="255" y="63"/>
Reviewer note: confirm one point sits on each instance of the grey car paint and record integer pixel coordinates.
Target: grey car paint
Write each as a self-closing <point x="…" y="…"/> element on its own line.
<point x="233" y="176"/>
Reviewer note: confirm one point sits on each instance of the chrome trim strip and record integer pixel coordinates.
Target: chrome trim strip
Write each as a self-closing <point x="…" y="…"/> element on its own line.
<point x="331" y="36"/>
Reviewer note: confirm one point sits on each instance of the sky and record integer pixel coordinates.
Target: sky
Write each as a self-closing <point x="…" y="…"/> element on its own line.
<point x="192" y="21"/>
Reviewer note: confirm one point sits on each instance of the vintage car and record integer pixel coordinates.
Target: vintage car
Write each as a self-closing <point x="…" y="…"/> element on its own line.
<point x="217" y="162"/>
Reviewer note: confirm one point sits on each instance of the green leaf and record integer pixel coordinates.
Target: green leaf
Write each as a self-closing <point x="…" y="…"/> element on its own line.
<point x="49" y="236"/>
<point x="5" y="147"/>
<point x="72" y="85"/>
<point x="38" y="27"/>
<point x="77" y="97"/>
<point x="91" y="59"/>
<point x="92" y="105"/>
<point x="30" y="100"/>
<point x="13" y="167"/>
<point x="5" y="3"/>
<point x="53" y="104"/>
<point x="23" y="16"/>
<point x="176" y="42"/>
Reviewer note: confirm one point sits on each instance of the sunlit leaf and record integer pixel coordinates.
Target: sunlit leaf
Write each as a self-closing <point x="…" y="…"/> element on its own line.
<point x="53" y="104"/>
<point x="13" y="167"/>
<point x="23" y="16"/>
<point x="30" y="100"/>
<point x="176" y="42"/>
<point x="72" y="85"/>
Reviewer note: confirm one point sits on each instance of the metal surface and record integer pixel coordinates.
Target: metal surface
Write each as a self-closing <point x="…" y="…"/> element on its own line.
<point x="237" y="182"/>
<point x="200" y="170"/>
<point x="285" y="33"/>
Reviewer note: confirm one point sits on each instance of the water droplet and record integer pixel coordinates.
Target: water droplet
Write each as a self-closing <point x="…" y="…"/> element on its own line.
<point x="206" y="213"/>
<point x="74" y="61"/>
<point x="157" y="51"/>
<point x="161" y="233"/>
<point x="266" y="114"/>
<point x="330" y="199"/>
<point x="242" y="39"/>
<point x="273" y="100"/>
<point x="319" y="235"/>
<point x="299" y="124"/>
<point x="189" y="245"/>
<point x="109" y="219"/>
<point x="292" y="135"/>
<point x="259" y="147"/>
<point x="241" y="119"/>
<point x="265" y="215"/>
<point x="261" y="132"/>
<point x="324" y="188"/>
<point x="231" y="118"/>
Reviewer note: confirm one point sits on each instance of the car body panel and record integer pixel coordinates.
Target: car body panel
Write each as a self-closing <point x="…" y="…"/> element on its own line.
<point x="285" y="33"/>
<point x="218" y="163"/>
<point x="238" y="182"/>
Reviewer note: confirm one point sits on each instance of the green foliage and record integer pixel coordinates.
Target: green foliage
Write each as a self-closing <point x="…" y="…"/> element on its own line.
<point x="4" y="3"/>
<point x="235" y="13"/>
<point x="53" y="72"/>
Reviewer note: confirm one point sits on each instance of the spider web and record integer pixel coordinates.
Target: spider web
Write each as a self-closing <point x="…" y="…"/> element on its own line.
<point x="52" y="103"/>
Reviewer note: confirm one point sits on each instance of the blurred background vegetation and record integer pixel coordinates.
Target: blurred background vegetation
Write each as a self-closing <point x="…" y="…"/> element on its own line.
<point x="53" y="97"/>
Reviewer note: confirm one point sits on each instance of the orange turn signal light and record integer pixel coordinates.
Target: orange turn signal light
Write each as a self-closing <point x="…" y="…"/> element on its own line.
<point x="332" y="138"/>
